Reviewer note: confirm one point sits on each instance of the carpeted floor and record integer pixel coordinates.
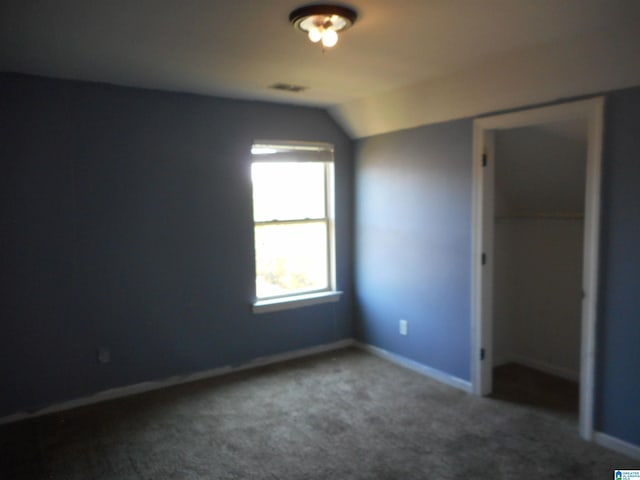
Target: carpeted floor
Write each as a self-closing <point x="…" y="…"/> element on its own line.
<point x="342" y="415"/>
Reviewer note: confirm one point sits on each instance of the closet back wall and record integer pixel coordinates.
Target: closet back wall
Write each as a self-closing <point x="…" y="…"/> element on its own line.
<point x="540" y="178"/>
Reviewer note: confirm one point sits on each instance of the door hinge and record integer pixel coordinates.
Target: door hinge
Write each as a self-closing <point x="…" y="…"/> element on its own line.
<point x="482" y="354"/>
<point x="484" y="258"/>
<point x="484" y="159"/>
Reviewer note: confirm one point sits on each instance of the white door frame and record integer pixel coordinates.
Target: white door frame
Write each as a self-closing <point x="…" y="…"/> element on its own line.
<point x="482" y="242"/>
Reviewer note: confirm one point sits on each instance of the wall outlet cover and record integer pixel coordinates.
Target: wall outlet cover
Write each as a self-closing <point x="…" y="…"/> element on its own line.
<point x="403" y="327"/>
<point x="104" y="355"/>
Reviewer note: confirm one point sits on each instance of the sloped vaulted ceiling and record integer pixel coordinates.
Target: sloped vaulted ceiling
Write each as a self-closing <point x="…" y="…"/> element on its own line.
<point x="403" y="64"/>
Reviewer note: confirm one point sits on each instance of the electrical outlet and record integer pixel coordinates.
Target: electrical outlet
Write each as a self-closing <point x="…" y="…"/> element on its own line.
<point x="104" y="355"/>
<point x="403" y="327"/>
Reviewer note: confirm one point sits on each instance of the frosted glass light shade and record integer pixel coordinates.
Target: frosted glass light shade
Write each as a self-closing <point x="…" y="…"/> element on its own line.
<point x="329" y="38"/>
<point x="315" y="35"/>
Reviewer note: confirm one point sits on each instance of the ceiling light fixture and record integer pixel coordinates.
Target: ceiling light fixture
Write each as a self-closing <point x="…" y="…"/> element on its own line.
<point x="323" y="22"/>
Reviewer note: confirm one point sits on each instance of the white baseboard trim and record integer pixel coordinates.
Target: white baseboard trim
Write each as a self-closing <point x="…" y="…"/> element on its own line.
<point x="417" y="367"/>
<point x="305" y="352"/>
<point x="600" y="438"/>
<point x="620" y="446"/>
<point x="561" y="372"/>
<point x="137" y="388"/>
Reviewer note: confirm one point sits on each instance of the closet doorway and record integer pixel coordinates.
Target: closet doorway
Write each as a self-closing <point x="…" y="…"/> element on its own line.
<point x="536" y="224"/>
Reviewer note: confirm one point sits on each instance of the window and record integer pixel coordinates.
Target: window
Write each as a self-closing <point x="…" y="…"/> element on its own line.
<point x="293" y="224"/>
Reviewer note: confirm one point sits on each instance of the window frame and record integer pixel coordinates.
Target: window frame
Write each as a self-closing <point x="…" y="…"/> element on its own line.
<point x="330" y="292"/>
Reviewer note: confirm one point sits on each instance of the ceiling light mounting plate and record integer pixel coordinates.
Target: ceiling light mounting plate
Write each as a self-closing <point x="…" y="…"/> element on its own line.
<point x="305" y="18"/>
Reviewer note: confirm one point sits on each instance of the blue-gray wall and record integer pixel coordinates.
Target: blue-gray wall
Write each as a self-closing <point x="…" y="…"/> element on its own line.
<point x="413" y="243"/>
<point x="126" y="223"/>
<point x="618" y="382"/>
<point x="413" y="247"/>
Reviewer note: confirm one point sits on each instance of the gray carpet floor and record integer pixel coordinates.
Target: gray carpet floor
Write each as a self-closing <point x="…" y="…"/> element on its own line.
<point x="341" y="415"/>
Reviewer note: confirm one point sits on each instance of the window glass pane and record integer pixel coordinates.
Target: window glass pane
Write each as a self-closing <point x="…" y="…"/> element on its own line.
<point x="287" y="190"/>
<point x="291" y="258"/>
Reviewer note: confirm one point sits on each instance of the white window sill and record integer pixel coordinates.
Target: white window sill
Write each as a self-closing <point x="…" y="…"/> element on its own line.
<point x="297" y="301"/>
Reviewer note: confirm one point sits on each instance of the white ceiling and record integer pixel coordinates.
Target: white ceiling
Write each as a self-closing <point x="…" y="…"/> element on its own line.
<point x="397" y="51"/>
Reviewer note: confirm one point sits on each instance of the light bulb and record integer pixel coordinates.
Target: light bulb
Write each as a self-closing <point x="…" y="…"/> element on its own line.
<point x="315" y="34"/>
<point x="329" y="38"/>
